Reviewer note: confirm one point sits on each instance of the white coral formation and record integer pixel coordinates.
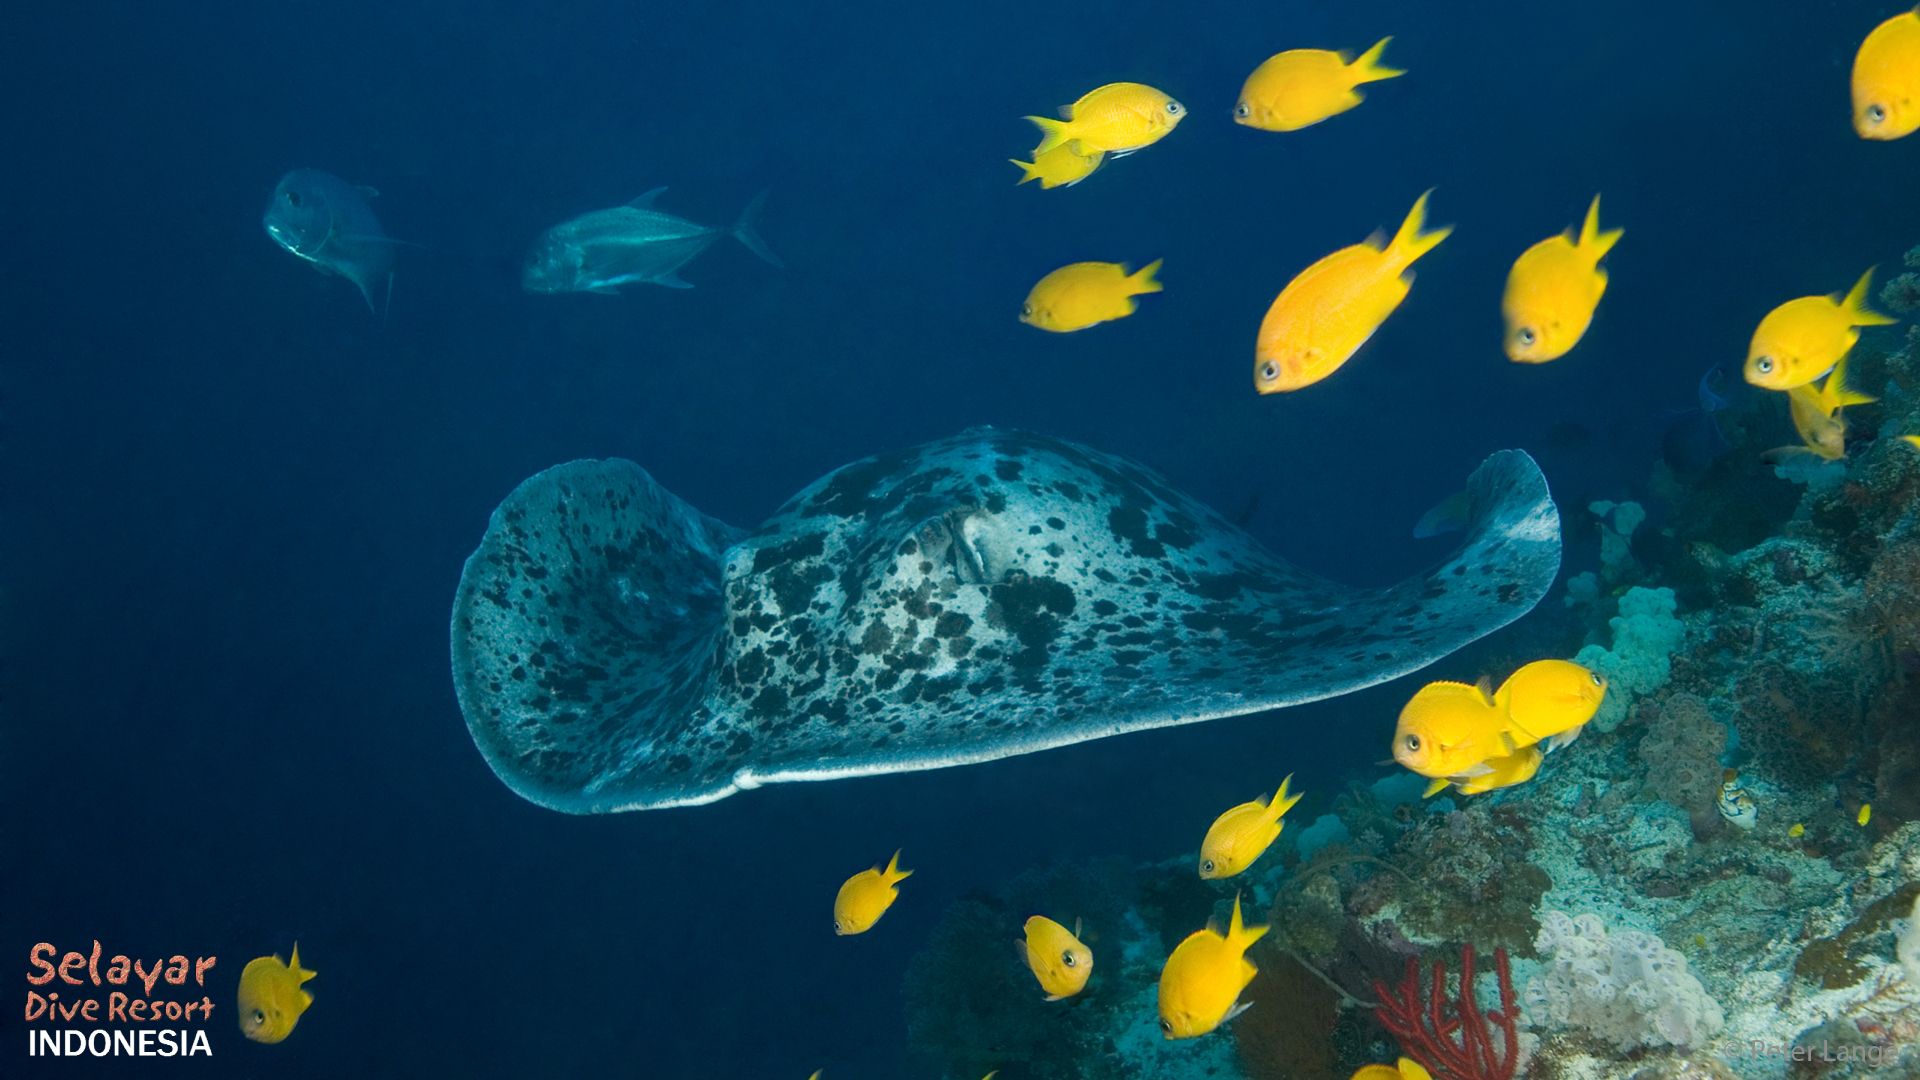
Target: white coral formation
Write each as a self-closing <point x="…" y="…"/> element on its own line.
<point x="1625" y="987"/>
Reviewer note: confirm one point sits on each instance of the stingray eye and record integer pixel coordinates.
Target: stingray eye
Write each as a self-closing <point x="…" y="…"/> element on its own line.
<point x="1243" y="110"/>
<point x="293" y="198"/>
<point x="1876" y="113"/>
<point x="1206" y="866"/>
<point x="1413" y="743"/>
<point x="1269" y="371"/>
<point x="1067" y="959"/>
<point x="1525" y="336"/>
<point x="1764" y="365"/>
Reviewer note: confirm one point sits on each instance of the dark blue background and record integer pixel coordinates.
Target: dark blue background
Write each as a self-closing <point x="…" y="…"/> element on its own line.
<point x="237" y="504"/>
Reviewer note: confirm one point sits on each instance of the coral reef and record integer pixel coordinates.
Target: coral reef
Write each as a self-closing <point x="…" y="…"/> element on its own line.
<point x="1454" y="1039"/>
<point x="1625" y="987"/>
<point x="1646" y="633"/>
<point x="1682" y="749"/>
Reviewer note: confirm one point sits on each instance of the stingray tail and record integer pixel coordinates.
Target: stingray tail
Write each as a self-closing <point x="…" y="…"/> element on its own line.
<point x="744" y="231"/>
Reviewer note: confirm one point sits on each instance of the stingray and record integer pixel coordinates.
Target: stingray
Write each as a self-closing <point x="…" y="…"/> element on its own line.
<point x="990" y="594"/>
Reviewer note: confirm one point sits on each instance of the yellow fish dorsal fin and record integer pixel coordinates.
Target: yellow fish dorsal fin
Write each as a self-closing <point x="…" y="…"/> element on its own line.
<point x="1239" y="934"/>
<point x="1368" y="67"/>
<point x="1594" y="243"/>
<point x="1410" y="241"/>
<point x="1854" y="304"/>
<point x="300" y="975"/>
<point x="1435" y="787"/>
<point x="893" y="872"/>
<point x="1412" y="1070"/>
<point x="1076" y="926"/>
<point x="1485" y="686"/>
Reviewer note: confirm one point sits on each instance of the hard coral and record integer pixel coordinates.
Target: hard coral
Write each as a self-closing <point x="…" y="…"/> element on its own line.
<point x="1476" y="881"/>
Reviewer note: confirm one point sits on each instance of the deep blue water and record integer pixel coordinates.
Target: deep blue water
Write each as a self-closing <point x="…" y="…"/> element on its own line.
<point x="237" y="504"/>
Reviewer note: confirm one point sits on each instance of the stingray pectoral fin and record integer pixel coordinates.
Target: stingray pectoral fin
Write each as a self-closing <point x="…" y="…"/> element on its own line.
<point x="991" y="594"/>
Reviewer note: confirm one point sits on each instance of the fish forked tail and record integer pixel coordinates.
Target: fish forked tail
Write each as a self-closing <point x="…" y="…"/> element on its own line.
<point x="1143" y="279"/>
<point x="1029" y="170"/>
<point x="893" y="872"/>
<point x="1410" y="242"/>
<point x="1239" y="934"/>
<point x="744" y="231"/>
<point x="1834" y="393"/>
<point x="1594" y="243"/>
<point x="1282" y="801"/>
<point x="1368" y="67"/>
<point x="1854" y="305"/>
<point x="1053" y="134"/>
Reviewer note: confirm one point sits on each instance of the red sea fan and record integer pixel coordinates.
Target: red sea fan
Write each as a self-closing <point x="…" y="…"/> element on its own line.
<point x="1453" y="1040"/>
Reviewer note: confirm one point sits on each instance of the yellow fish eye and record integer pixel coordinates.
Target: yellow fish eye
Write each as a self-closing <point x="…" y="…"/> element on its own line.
<point x="259" y="1017"/>
<point x="1525" y="336"/>
<point x="1764" y="365"/>
<point x="1206" y="866"/>
<point x="1173" y="108"/>
<point x="1269" y="371"/>
<point x="1413" y="742"/>
<point x="1876" y="113"/>
<point x="1067" y="959"/>
<point x="1026" y="311"/>
<point x="1166" y="1026"/>
<point x="1243" y="110"/>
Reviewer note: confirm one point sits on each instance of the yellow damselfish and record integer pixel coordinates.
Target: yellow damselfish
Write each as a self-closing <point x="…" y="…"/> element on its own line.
<point x="866" y="896"/>
<point x="1797" y="830"/>
<point x="1553" y="289"/>
<point x="1062" y="166"/>
<point x="1085" y="294"/>
<point x="1407" y="1069"/>
<point x="1117" y="118"/>
<point x="1326" y="313"/>
<point x="1502" y="772"/>
<point x="1549" y="700"/>
<point x="1301" y="87"/>
<point x="1818" y="414"/>
<point x="1886" y="79"/>
<point x="1200" y="986"/>
<point x="1057" y="957"/>
<point x="271" y="997"/>
<point x="1865" y="815"/>
<point x="1449" y="730"/>
<point x="1241" y="834"/>
<point x="1803" y="339"/>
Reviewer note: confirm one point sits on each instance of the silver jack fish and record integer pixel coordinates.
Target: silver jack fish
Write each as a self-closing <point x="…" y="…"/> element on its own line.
<point x="603" y="250"/>
<point x="326" y="221"/>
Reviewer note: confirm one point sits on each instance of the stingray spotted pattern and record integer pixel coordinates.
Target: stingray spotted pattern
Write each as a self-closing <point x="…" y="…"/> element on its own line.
<point x="990" y="594"/>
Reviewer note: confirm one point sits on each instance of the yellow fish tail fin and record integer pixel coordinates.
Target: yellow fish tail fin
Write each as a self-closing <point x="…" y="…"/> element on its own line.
<point x="1282" y="802"/>
<point x="300" y="975"/>
<point x="1143" y="279"/>
<point x="1411" y="241"/>
<point x="1855" y="304"/>
<point x="893" y="872"/>
<point x="1239" y="934"/>
<point x="1368" y="67"/>
<point x="1029" y="170"/>
<point x="1053" y="134"/>
<point x="1594" y="242"/>
<point x="1834" y="393"/>
<point x="1911" y="440"/>
<point x="1435" y="787"/>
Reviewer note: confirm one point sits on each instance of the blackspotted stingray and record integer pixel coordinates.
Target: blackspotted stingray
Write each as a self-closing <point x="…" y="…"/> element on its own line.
<point x="987" y="595"/>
